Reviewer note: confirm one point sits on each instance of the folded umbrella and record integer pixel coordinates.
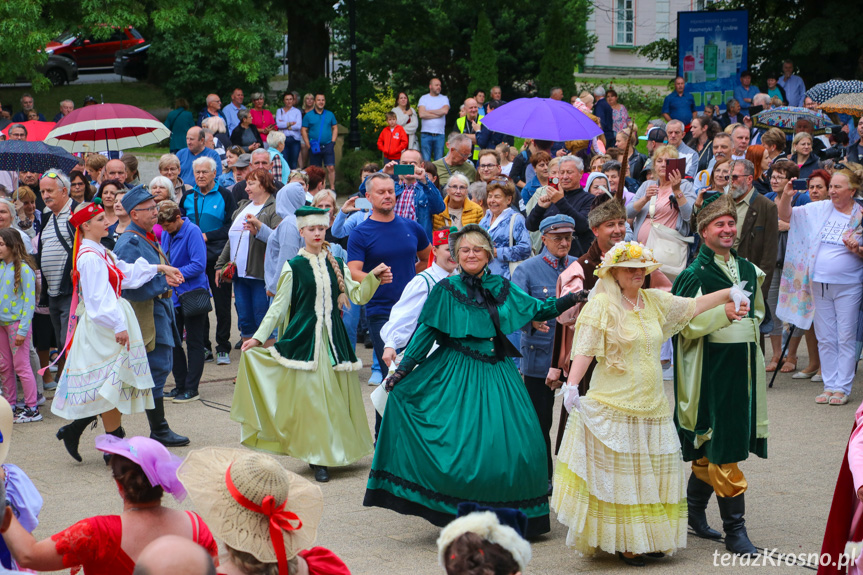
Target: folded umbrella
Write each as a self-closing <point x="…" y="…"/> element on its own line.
<point x="106" y="127"/>
<point x="18" y="156"/>
<point x="541" y="119"/>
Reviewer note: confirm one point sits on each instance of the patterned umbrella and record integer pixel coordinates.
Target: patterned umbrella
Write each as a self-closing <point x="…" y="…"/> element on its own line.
<point x="542" y="119"/>
<point x="105" y="127"/>
<point x="36" y="131"/>
<point x="16" y="156"/>
<point x="785" y="117"/>
<point x="851" y="104"/>
<point x="826" y="90"/>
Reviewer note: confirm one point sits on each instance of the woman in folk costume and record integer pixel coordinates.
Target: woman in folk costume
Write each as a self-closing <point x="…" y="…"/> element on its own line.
<point x="324" y="422"/>
<point x="619" y="482"/>
<point x="106" y="371"/>
<point x="459" y="425"/>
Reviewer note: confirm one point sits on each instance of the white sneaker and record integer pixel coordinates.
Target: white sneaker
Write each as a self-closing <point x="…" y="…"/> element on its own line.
<point x="223" y="358"/>
<point x="27" y="415"/>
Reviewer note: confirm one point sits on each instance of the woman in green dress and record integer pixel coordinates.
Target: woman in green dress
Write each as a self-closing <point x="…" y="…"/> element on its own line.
<point x="313" y="410"/>
<point x="458" y="425"/>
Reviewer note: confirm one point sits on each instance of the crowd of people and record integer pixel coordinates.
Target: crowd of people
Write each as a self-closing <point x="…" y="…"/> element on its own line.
<point x="484" y="277"/>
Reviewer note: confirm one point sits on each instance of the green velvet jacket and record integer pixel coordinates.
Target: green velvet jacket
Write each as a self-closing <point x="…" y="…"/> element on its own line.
<point x="720" y="388"/>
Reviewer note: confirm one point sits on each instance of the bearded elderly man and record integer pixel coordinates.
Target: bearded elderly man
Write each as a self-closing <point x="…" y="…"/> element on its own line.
<point x="460" y="148"/>
<point x="720" y="388"/>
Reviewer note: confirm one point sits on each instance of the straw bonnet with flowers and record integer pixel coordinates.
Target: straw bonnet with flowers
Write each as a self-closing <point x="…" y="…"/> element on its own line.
<point x="106" y="365"/>
<point x="627" y="255"/>
<point x="257" y="507"/>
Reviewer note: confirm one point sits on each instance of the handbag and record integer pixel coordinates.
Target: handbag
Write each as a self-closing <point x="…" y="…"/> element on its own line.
<point x="670" y="248"/>
<point x="195" y="302"/>
<point x="229" y="270"/>
<point x="512" y="265"/>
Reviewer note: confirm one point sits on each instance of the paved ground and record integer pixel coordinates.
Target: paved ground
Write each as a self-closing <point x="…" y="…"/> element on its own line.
<point x="788" y="499"/>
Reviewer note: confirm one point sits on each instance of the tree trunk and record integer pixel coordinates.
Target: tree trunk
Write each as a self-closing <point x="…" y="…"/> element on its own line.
<point x="308" y="44"/>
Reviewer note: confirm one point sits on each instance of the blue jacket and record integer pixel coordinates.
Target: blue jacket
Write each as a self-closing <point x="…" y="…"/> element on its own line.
<point x="428" y="201"/>
<point x="187" y="252"/>
<point x="520" y="249"/>
<point x="538" y="278"/>
<point x="129" y="248"/>
<point x="604" y="112"/>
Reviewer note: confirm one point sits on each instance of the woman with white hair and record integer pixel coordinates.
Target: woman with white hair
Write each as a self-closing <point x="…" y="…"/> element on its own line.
<point x="162" y="189"/>
<point x="216" y="124"/>
<point x="619" y="482"/>
<point x="276" y="145"/>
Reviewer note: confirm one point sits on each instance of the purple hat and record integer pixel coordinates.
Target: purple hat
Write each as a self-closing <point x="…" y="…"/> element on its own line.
<point x="159" y="464"/>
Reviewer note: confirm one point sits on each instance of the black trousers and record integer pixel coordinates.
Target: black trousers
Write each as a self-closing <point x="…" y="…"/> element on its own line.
<point x="542" y="398"/>
<point x="187" y="374"/>
<point x="222" y="307"/>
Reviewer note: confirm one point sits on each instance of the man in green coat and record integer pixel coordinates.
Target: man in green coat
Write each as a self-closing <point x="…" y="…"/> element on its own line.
<point x="720" y="388"/>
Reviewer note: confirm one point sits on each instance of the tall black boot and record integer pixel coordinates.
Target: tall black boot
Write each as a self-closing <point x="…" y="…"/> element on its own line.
<point x="119" y="432"/>
<point x="697" y="495"/>
<point x="732" y="510"/>
<point x="159" y="429"/>
<point x="70" y="435"/>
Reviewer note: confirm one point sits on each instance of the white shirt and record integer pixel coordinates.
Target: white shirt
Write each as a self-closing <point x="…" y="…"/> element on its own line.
<point x="100" y="301"/>
<point x="292" y="115"/>
<point x="240" y="238"/>
<point x="397" y="332"/>
<point x="834" y="263"/>
<point x="431" y="103"/>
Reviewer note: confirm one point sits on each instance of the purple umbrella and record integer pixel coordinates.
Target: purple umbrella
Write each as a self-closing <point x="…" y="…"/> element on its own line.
<point x="541" y="119"/>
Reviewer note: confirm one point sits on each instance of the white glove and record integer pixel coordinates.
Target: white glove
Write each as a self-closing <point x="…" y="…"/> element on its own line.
<point x="570" y="396"/>
<point x="739" y="293"/>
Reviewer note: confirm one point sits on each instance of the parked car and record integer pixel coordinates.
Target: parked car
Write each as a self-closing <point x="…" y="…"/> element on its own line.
<point x="132" y="62"/>
<point x="60" y="70"/>
<point x="89" y="52"/>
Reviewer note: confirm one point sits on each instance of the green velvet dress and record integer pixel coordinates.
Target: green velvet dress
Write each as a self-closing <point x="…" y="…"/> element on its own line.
<point x="461" y="427"/>
<point x="301" y="397"/>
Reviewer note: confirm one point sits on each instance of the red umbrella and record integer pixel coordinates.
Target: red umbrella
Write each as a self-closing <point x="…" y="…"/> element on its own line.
<point x="36" y="131"/>
<point x="105" y="127"/>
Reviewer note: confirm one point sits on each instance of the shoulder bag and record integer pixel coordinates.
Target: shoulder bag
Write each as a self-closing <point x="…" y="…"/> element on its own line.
<point x="512" y="265"/>
<point x="194" y="302"/>
<point x="670" y="248"/>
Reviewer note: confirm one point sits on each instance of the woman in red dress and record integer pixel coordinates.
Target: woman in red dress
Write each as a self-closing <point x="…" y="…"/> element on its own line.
<point x="266" y="516"/>
<point x="109" y="544"/>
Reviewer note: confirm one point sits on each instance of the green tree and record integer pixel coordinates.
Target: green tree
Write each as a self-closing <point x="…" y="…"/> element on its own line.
<point x="557" y="67"/>
<point x="482" y="67"/>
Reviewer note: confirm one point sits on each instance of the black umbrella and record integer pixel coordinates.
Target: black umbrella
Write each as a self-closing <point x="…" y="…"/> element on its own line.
<point x="20" y="156"/>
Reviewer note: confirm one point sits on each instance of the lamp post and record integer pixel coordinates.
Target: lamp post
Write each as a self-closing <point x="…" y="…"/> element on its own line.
<point x="354" y="133"/>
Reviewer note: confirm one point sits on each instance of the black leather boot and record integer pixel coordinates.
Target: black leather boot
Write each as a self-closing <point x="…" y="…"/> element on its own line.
<point x="159" y="429"/>
<point x="732" y="510"/>
<point x="697" y="496"/>
<point x="119" y="432"/>
<point x="70" y="435"/>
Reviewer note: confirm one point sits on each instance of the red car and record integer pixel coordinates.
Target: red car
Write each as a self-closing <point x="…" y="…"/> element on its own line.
<point x="89" y="52"/>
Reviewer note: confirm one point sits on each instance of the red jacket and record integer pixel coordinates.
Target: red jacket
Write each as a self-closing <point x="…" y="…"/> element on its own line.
<point x="392" y="142"/>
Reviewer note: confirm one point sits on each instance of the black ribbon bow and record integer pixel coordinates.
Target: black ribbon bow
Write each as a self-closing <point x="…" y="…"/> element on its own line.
<point x="481" y="295"/>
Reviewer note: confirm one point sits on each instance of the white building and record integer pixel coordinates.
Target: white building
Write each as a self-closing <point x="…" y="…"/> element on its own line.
<point x="622" y="25"/>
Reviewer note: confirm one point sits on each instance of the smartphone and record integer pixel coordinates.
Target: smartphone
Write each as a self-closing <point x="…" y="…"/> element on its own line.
<point x="403" y="170"/>
<point x="800" y="185"/>
<point x="363" y="204"/>
<point x="678" y="164"/>
<point x="553" y="183"/>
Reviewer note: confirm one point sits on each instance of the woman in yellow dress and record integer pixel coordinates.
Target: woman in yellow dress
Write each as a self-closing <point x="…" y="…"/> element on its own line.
<point x="619" y="482"/>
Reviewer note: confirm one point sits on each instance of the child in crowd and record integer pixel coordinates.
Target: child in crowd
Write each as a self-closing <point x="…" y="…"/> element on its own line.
<point x="393" y="139"/>
<point x="17" y="302"/>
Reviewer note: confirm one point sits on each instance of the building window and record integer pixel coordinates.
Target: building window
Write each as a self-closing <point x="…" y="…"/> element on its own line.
<point x="625" y="23"/>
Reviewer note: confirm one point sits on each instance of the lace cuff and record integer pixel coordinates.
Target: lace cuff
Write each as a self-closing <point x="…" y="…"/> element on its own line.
<point x="76" y="545"/>
<point x="678" y="313"/>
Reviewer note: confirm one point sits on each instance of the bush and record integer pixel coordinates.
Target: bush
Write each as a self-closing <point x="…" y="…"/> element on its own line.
<point x="637" y="99"/>
<point x="349" y="169"/>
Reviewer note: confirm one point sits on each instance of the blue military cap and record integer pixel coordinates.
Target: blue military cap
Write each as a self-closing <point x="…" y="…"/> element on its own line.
<point x="135" y="196"/>
<point x="557" y="224"/>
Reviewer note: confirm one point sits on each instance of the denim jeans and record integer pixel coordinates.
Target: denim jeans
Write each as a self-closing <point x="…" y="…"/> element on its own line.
<point x="376" y="324"/>
<point x="291" y="152"/>
<point x="432" y="146"/>
<point x="187" y="373"/>
<point x="250" y="297"/>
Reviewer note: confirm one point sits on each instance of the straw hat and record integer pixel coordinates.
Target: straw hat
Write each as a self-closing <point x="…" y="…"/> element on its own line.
<point x="6" y="418"/>
<point x="627" y="255"/>
<point x="259" y="481"/>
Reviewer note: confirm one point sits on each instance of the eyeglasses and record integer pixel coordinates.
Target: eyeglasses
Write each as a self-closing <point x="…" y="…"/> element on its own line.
<point x="474" y="250"/>
<point x="559" y="238"/>
<point x="487" y="166"/>
<point x="150" y="209"/>
<point x="777" y="177"/>
<point x="735" y="177"/>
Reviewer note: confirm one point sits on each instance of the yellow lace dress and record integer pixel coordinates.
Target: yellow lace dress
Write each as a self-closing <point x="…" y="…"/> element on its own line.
<point x="619" y="480"/>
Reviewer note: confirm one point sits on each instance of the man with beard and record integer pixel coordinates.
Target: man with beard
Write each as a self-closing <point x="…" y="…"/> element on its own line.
<point x="719" y="377"/>
<point x="607" y="220"/>
<point x="758" y="234"/>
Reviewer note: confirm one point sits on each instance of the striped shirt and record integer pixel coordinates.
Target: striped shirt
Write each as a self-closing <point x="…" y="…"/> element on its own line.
<point x="54" y="254"/>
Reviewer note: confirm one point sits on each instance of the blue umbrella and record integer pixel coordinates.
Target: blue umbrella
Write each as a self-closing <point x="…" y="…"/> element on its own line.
<point x="20" y="156"/>
<point x="541" y="119"/>
<point x="826" y="90"/>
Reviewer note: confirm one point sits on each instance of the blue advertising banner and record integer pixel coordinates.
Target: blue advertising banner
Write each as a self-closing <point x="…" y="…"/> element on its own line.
<point x="712" y="50"/>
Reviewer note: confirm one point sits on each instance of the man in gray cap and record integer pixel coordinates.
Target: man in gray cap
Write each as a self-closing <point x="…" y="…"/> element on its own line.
<point x="538" y="277"/>
<point x="153" y="306"/>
